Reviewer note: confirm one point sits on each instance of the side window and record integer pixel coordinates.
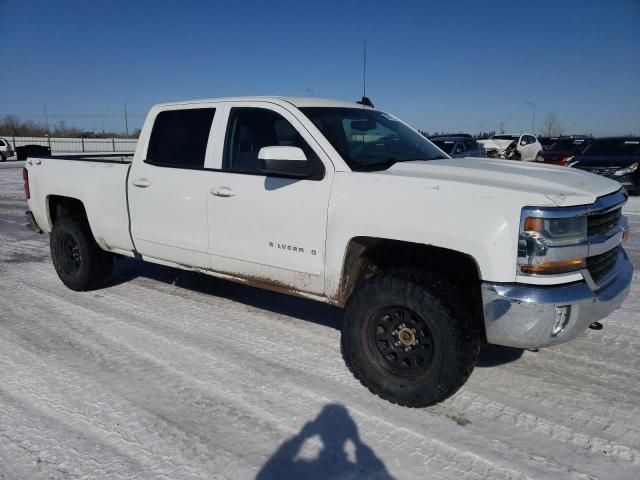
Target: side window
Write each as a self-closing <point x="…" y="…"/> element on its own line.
<point x="471" y="145"/>
<point x="2" y="144"/>
<point x="532" y="139"/>
<point x="179" y="138"/>
<point x="250" y="129"/>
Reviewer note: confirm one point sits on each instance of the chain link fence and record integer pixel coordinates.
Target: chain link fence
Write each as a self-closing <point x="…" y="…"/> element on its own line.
<point x="78" y="145"/>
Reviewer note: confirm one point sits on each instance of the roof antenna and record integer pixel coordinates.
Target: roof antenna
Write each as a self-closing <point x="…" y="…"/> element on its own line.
<point x="366" y="102"/>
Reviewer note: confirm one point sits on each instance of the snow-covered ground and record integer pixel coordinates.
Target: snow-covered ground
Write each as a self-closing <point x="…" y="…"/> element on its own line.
<point x="170" y="374"/>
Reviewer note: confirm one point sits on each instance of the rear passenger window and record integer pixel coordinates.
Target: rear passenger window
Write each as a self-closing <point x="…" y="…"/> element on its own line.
<point x="179" y="138"/>
<point x="250" y="129"/>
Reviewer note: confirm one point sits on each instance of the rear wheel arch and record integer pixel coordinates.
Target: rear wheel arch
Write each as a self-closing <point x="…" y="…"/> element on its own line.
<point x="59" y="206"/>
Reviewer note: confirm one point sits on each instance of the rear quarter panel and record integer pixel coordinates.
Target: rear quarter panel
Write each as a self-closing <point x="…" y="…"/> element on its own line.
<point x="101" y="187"/>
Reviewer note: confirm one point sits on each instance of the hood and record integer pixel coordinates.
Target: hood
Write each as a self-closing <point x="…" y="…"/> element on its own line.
<point x="620" y="161"/>
<point x="535" y="184"/>
<point x="491" y="144"/>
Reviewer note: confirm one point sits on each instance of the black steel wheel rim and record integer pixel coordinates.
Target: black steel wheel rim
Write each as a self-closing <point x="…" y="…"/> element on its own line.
<point x="70" y="254"/>
<point x="399" y="341"/>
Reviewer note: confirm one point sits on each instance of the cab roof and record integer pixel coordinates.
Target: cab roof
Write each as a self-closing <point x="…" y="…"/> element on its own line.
<point x="296" y="101"/>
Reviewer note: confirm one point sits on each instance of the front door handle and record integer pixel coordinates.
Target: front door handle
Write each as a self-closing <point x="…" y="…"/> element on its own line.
<point x="141" y="182"/>
<point x="222" y="192"/>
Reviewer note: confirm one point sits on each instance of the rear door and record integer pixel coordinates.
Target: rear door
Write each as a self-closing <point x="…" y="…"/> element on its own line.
<point x="266" y="228"/>
<point x="168" y="188"/>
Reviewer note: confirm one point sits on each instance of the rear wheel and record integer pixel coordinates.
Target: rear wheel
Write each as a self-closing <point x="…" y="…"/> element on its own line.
<point x="409" y="339"/>
<point x="2" y="157"/>
<point x="539" y="157"/>
<point x="77" y="258"/>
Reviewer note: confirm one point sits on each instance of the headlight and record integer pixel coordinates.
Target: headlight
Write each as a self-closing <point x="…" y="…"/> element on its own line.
<point x="551" y="242"/>
<point x="624" y="171"/>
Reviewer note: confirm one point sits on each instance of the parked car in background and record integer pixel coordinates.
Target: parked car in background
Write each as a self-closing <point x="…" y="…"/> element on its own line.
<point x="523" y="147"/>
<point x="546" y="142"/>
<point x="562" y="150"/>
<point x="617" y="158"/>
<point x="32" y="151"/>
<point x="5" y="150"/>
<point x="458" y="146"/>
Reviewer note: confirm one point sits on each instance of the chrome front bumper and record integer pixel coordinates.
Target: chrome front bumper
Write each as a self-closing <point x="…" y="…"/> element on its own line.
<point x="531" y="316"/>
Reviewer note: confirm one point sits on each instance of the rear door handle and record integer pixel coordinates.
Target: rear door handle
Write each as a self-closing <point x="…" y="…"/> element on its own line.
<point x="141" y="182"/>
<point x="222" y="192"/>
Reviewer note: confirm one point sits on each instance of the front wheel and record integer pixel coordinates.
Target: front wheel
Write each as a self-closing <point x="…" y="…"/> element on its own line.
<point x="77" y="258"/>
<point x="409" y="339"/>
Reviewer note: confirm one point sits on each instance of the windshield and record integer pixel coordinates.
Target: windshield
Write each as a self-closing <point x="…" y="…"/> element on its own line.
<point x="444" y="145"/>
<point x="566" y="145"/>
<point x="370" y="140"/>
<point x="614" y="148"/>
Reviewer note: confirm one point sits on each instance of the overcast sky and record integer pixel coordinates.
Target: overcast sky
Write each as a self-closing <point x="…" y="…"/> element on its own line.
<point x="454" y="66"/>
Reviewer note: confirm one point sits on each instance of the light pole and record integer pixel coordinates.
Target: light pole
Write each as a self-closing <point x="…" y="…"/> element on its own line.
<point x="46" y="117"/>
<point x="533" y="121"/>
<point x="310" y="90"/>
<point x="126" y="119"/>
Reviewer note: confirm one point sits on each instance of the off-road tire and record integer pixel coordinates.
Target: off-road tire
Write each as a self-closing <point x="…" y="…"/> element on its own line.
<point x="93" y="266"/>
<point x="455" y="333"/>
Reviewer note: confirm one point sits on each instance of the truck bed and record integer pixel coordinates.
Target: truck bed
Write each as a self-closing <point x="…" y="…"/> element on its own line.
<point x="99" y="181"/>
<point x="93" y="157"/>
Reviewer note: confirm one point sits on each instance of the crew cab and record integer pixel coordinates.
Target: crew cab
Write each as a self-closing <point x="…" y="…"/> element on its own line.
<point x="345" y="204"/>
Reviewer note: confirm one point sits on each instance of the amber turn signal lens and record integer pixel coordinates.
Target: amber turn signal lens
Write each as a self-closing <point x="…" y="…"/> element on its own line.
<point x="533" y="224"/>
<point x="555" y="267"/>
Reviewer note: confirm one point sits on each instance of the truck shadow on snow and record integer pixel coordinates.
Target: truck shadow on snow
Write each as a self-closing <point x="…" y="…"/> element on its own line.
<point x="128" y="269"/>
<point x="327" y="447"/>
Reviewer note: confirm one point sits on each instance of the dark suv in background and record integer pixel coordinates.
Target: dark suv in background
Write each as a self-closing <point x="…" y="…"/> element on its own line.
<point x="617" y="158"/>
<point x="458" y="146"/>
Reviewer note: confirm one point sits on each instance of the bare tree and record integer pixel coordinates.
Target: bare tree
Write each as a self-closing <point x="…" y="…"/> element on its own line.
<point x="551" y="126"/>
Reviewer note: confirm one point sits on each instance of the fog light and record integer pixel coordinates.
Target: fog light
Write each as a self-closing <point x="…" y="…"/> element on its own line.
<point x="562" y="319"/>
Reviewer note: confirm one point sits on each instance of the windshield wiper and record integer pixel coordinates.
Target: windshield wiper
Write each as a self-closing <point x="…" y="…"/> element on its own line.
<point x="369" y="167"/>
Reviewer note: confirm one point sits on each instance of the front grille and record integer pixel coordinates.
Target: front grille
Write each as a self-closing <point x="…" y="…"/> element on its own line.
<point x="598" y="223"/>
<point x="600" y="265"/>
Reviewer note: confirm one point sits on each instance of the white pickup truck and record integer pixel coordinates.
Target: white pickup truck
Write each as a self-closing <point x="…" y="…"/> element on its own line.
<point x="345" y="204"/>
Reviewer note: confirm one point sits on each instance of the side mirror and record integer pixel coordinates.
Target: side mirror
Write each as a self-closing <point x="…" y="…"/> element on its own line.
<point x="284" y="161"/>
<point x="523" y="142"/>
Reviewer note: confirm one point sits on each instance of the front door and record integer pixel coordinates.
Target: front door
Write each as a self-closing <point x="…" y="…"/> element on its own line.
<point x="265" y="228"/>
